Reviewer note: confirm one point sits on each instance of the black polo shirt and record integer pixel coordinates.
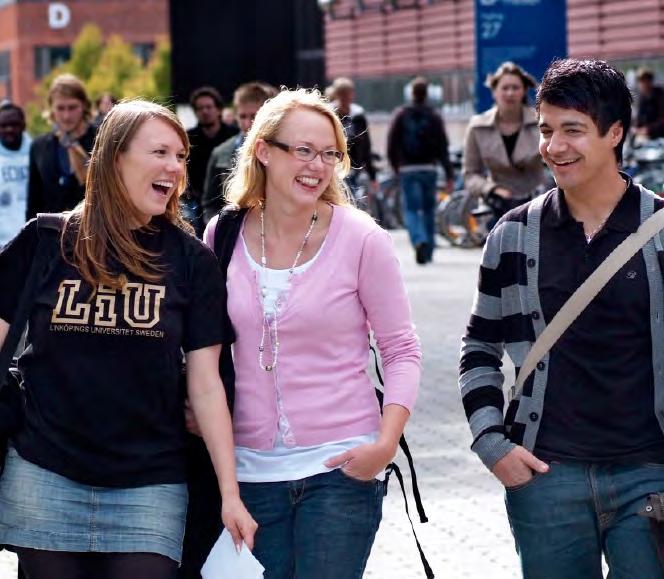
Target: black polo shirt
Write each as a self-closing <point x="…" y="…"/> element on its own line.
<point x="600" y="391"/>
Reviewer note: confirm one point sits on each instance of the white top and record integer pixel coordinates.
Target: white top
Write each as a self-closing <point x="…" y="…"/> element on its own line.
<point x="286" y="461"/>
<point x="13" y="189"/>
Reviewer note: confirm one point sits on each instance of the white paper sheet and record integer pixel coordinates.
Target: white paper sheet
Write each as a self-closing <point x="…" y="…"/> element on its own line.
<point x="224" y="562"/>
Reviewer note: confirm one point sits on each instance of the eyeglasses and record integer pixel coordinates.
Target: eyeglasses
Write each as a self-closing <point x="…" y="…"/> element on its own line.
<point x="308" y="154"/>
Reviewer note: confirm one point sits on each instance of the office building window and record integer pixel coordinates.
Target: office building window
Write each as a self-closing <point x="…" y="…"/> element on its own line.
<point x="144" y="50"/>
<point x="4" y="66"/>
<point x="49" y="57"/>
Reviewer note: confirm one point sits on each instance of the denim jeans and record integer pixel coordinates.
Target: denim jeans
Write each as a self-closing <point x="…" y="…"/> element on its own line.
<point x="419" y="201"/>
<point x="322" y="526"/>
<point x="563" y="521"/>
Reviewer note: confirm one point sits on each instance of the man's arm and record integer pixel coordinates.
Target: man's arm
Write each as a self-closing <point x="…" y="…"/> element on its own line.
<point x="363" y="145"/>
<point x="445" y="156"/>
<point x="393" y="141"/>
<point x="35" y="200"/>
<point x="480" y="375"/>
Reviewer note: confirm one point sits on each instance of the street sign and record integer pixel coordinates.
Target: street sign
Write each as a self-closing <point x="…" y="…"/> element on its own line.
<point x="529" y="32"/>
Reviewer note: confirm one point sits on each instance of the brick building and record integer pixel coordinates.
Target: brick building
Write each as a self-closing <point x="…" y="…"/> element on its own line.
<point x="383" y="43"/>
<point x="36" y="35"/>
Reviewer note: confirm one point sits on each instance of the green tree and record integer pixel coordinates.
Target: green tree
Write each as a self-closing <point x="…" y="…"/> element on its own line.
<point x="86" y="52"/>
<point x="160" y="68"/>
<point x="117" y="67"/>
<point x="107" y="67"/>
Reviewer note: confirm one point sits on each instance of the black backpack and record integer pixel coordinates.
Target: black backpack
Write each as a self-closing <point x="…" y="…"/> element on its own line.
<point x="419" y="142"/>
<point x="203" y="515"/>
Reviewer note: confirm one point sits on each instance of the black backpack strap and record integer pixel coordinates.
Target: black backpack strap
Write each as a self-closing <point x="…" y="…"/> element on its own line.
<point x="49" y="227"/>
<point x="226" y="232"/>
<point x="229" y="223"/>
<point x="392" y="467"/>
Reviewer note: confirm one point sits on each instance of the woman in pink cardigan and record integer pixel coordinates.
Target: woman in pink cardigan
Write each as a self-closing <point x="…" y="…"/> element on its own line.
<point x="310" y="276"/>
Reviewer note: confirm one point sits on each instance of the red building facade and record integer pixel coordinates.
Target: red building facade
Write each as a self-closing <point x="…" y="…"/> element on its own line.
<point x="381" y="44"/>
<point x="36" y="35"/>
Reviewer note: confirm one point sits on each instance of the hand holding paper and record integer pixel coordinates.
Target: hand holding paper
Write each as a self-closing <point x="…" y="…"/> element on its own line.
<point x="224" y="562"/>
<point x="238" y="521"/>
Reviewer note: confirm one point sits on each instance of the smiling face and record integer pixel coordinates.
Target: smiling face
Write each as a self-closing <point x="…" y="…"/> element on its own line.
<point x="152" y="167"/>
<point x="572" y="147"/>
<point x="509" y="92"/>
<point x="12" y="125"/>
<point x="288" y="179"/>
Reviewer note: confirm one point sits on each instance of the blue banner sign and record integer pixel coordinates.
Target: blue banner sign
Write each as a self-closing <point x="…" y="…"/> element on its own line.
<point x="529" y="32"/>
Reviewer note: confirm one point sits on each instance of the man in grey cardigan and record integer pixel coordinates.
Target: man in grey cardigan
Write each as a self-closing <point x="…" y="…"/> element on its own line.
<point x="582" y="447"/>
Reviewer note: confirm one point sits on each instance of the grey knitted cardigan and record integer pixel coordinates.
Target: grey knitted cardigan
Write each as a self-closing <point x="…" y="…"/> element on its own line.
<point x="506" y="316"/>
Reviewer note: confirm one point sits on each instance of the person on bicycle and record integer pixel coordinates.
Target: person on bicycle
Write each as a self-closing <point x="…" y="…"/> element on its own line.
<point x="501" y="158"/>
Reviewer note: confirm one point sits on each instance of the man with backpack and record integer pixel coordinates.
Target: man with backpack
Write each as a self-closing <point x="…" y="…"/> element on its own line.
<point x="580" y="450"/>
<point x="416" y="145"/>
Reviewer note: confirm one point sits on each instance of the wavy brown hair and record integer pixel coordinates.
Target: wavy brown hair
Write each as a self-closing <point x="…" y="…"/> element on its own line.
<point x="246" y="185"/>
<point x="101" y="227"/>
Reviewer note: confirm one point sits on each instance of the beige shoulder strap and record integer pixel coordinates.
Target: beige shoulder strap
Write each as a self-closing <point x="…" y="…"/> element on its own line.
<point x="585" y="294"/>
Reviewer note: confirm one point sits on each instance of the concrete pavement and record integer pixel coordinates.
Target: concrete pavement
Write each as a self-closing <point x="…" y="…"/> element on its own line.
<point x="468" y="535"/>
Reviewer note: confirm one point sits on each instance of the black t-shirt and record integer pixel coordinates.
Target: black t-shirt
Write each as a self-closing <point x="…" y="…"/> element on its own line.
<point x="599" y="402"/>
<point x="510" y="142"/>
<point x="104" y="403"/>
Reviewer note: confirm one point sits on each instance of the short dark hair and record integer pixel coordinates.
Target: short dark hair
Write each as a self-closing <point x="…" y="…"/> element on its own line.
<point x="645" y="74"/>
<point x="206" y="91"/>
<point x="419" y="88"/>
<point x="591" y="87"/>
<point x="111" y="96"/>
<point x="10" y="106"/>
<point x="255" y="92"/>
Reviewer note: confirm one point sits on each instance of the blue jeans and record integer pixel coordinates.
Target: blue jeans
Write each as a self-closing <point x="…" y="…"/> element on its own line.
<point x="564" y="520"/>
<point x="322" y="526"/>
<point x="419" y="200"/>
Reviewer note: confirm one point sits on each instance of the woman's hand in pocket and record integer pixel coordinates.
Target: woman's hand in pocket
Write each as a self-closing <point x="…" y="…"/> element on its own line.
<point x="363" y="462"/>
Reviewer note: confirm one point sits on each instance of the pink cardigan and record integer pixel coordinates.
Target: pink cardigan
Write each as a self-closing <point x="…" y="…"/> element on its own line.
<point x="355" y="284"/>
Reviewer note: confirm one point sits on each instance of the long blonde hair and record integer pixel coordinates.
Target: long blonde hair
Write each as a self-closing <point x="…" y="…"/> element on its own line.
<point x="246" y="184"/>
<point x="101" y="226"/>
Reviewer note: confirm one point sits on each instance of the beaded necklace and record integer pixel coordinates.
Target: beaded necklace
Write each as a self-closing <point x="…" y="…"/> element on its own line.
<point x="272" y="322"/>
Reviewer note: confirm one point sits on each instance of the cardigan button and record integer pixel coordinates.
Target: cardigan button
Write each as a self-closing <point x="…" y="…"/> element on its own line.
<point x="531" y="263"/>
<point x="534" y="417"/>
<point x="541" y="366"/>
<point x="535" y="315"/>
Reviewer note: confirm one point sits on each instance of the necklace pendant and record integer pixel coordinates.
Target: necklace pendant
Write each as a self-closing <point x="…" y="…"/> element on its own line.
<point x="268" y="368"/>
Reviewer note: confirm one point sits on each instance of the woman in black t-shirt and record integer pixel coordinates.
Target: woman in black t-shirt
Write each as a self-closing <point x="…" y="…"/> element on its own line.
<point x="94" y="483"/>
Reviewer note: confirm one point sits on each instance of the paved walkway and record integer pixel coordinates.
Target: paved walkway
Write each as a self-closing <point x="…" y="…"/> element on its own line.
<point x="468" y="535"/>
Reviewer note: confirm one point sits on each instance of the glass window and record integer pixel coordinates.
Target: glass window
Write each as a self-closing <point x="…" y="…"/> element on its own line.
<point x="144" y="50"/>
<point x="49" y="57"/>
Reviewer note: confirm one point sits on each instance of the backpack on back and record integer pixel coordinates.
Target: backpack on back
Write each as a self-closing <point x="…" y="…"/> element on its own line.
<point x="419" y="135"/>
